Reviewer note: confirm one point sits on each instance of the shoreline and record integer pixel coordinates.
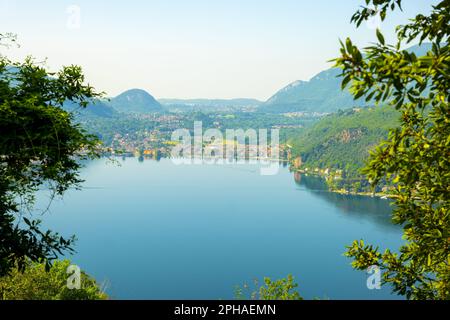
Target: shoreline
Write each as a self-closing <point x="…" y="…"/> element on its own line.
<point x="380" y="195"/>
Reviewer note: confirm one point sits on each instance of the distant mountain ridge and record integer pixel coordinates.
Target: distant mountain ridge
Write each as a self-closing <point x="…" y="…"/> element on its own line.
<point x="208" y="104"/>
<point x="320" y="94"/>
<point x="96" y="108"/>
<point x="136" y="101"/>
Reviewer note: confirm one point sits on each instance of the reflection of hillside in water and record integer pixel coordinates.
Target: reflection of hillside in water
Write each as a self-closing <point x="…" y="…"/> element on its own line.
<point x="361" y="207"/>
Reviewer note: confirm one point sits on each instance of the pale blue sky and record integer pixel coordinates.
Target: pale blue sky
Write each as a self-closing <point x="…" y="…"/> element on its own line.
<point x="191" y="49"/>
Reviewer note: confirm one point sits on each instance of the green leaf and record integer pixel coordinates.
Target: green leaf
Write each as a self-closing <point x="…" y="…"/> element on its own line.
<point x="380" y="37"/>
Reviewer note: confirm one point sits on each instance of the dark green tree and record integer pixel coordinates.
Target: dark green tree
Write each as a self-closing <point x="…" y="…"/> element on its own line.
<point x="416" y="156"/>
<point x="40" y="146"/>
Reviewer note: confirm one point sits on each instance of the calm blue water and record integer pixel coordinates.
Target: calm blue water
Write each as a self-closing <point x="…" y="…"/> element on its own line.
<point x="154" y="230"/>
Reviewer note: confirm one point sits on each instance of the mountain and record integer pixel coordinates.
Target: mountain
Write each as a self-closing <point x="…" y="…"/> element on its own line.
<point x="420" y="50"/>
<point x="136" y="101"/>
<point x="208" y="104"/>
<point x="97" y="108"/>
<point x="321" y="94"/>
<point x="343" y="140"/>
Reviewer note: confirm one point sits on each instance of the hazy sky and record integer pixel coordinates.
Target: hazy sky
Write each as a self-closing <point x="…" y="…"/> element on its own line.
<point x="190" y="49"/>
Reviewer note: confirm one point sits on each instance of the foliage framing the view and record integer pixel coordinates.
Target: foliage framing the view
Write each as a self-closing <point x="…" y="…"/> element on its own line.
<point x="416" y="156"/>
<point x="281" y="289"/>
<point x="35" y="283"/>
<point x="39" y="147"/>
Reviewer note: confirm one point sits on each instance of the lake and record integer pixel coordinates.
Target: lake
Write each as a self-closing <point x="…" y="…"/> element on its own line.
<point x="156" y="230"/>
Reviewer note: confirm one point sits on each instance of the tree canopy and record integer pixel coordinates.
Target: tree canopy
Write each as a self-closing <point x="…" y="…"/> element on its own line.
<point x="415" y="158"/>
<point x="37" y="283"/>
<point x="40" y="147"/>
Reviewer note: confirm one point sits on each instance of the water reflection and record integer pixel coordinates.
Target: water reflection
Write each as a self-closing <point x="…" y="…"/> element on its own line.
<point x="361" y="207"/>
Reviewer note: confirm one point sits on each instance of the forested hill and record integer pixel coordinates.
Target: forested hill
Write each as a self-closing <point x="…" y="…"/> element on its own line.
<point x="95" y="109"/>
<point x="321" y="94"/>
<point x="342" y="140"/>
<point x="136" y="101"/>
